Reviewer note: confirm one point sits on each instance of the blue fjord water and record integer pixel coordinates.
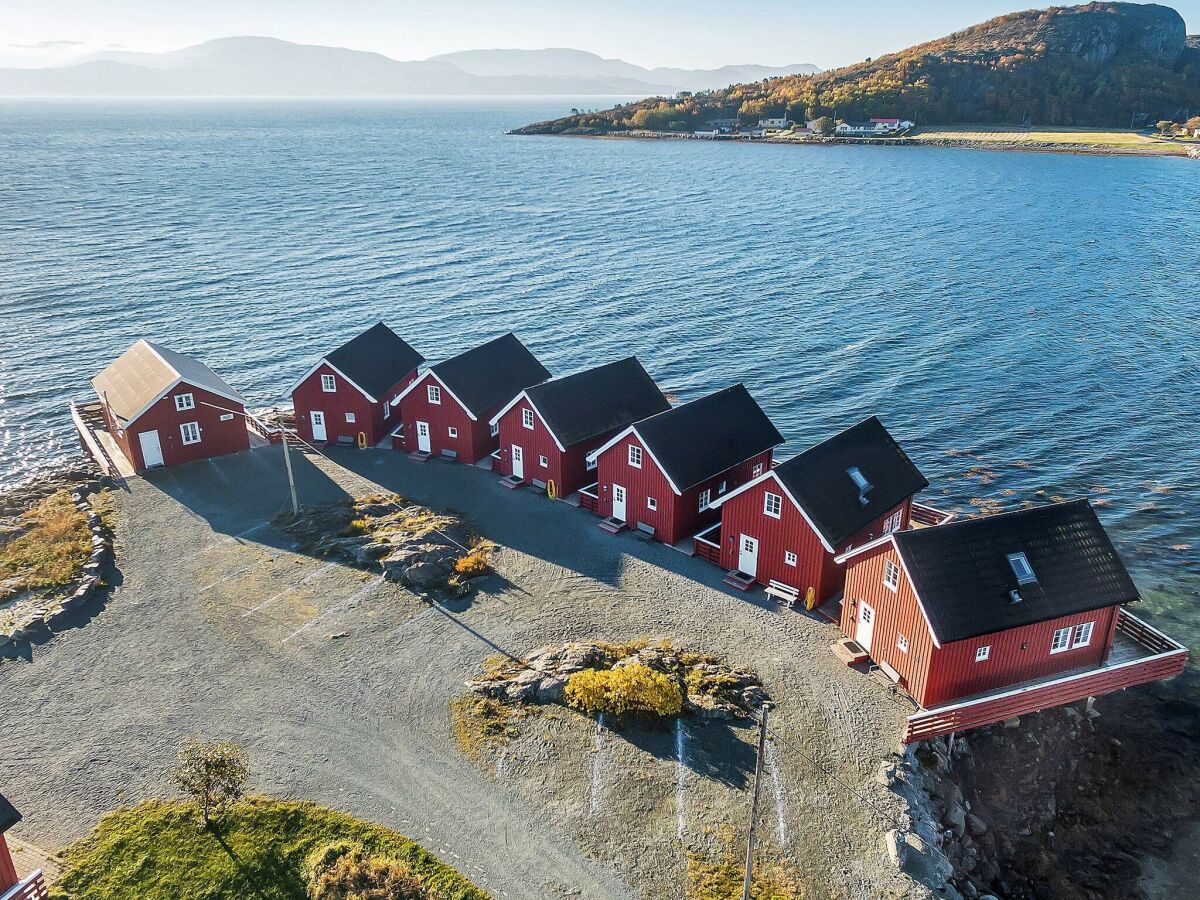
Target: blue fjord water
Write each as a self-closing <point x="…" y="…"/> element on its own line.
<point x="1022" y="322"/>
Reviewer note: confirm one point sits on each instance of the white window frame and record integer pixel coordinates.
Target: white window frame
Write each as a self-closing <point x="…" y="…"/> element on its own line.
<point x="328" y="384"/>
<point x="451" y="431"/>
<point x="651" y="503"/>
<point x="705" y="499"/>
<point x="593" y="463"/>
<point x="186" y="430"/>
<point x="1083" y="634"/>
<point x="495" y="429"/>
<point x="790" y="558"/>
<point x="387" y="409"/>
<point x="543" y="462"/>
<point x="983" y="653"/>
<point x="721" y="488"/>
<point x="433" y="393"/>
<point x="184" y="402"/>
<point x="1061" y="641"/>
<point x="1022" y="568"/>
<point x="351" y="418"/>
<point x="901" y="643"/>
<point x="758" y="469"/>
<point x="891" y="576"/>
<point x="635" y="456"/>
<point x="772" y="505"/>
<point x="527" y="419"/>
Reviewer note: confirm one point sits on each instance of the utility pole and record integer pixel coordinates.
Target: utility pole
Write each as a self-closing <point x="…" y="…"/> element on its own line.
<point x="758" y="767"/>
<point x="287" y="462"/>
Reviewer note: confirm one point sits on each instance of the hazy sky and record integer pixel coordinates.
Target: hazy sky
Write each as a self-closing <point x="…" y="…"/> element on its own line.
<point x="690" y="33"/>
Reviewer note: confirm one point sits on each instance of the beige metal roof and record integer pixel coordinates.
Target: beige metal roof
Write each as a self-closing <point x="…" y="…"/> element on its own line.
<point x="143" y="374"/>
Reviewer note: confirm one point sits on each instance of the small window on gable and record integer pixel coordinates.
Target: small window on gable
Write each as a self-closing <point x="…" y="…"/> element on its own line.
<point x="772" y="505"/>
<point x="592" y="463"/>
<point x="891" y="575"/>
<point x="527" y="418"/>
<point x="789" y="558"/>
<point x="982" y="653"/>
<point x="651" y="503"/>
<point x="902" y="643"/>
<point x="635" y="456"/>
<point x="705" y="499"/>
<point x="758" y="469"/>
<point x="452" y="431"/>
<point x="543" y="462"/>
<point x="495" y="429"/>
<point x="434" y="393"/>
<point x="721" y="488"/>
<point x="184" y="401"/>
<point x="351" y="418"/>
<point x="328" y="384"/>
<point x="1021" y="568"/>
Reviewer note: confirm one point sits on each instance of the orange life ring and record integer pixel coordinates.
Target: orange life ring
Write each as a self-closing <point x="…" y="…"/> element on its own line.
<point x="362" y="440"/>
<point x="551" y="489"/>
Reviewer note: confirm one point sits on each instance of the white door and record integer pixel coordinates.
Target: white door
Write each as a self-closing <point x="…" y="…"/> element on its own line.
<point x="748" y="556"/>
<point x="518" y="462"/>
<point x="318" y="425"/>
<point x="866" y="625"/>
<point x="151" y="449"/>
<point x="618" y="502"/>
<point x="423" y="444"/>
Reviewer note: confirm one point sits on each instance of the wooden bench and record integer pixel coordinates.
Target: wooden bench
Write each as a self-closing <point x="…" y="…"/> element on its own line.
<point x="784" y="592"/>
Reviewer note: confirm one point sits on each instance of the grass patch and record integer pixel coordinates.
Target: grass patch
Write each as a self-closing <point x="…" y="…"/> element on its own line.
<point x="50" y="551"/>
<point x="481" y="724"/>
<point x="154" y="851"/>
<point x="721" y="879"/>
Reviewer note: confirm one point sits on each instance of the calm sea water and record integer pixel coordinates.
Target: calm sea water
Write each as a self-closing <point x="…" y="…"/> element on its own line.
<point x="1021" y="322"/>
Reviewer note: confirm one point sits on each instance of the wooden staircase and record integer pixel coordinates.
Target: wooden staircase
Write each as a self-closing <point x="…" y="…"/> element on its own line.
<point x="738" y="580"/>
<point x="420" y="456"/>
<point x="512" y="482"/>
<point x="611" y="525"/>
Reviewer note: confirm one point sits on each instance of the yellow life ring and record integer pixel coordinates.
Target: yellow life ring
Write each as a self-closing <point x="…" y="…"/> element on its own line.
<point x="551" y="489"/>
<point x="810" y="599"/>
<point x="362" y="440"/>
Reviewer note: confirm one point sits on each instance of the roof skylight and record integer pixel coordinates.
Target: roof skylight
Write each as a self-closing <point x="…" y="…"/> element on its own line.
<point x="860" y="482"/>
<point x="1021" y="568"/>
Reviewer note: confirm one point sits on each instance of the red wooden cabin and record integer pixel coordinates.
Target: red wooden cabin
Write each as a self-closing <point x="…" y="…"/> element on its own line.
<point x="447" y="410"/>
<point x="163" y="408"/>
<point x="12" y="886"/>
<point x="985" y="619"/>
<point x="788" y="524"/>
<point x="662" y="474"/>
<point x="547" y="430"/>
<point x="349" y="396"/>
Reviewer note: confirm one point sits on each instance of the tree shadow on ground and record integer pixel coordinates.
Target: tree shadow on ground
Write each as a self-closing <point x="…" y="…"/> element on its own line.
<point x="265" y="876"/>
<point x="720" y="750"/>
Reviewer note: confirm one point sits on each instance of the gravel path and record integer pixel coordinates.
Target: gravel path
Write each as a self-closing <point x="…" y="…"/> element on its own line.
<point x="218" y="627"/>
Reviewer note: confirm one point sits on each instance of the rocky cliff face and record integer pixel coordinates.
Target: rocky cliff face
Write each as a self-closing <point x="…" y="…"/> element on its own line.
<point x="1098" y="32"/>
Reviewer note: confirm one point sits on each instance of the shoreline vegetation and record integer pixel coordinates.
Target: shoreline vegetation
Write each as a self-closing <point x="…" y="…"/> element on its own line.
<point x="1036" y="139"/>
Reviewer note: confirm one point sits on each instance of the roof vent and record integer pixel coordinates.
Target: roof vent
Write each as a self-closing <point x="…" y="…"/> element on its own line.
<point x="1014" y="596"/>
<point x="1021" y="568"/>
<point x="860" y="482"/>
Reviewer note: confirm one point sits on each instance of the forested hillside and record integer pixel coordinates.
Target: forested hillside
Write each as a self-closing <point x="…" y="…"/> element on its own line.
<point x="1102" y="64"/>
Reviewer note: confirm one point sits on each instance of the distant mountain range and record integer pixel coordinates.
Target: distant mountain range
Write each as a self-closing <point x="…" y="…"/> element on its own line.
<point x="1101" y="64"/>
<point x="258" y="66"/>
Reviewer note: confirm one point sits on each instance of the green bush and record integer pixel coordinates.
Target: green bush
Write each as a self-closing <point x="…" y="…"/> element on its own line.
<point x="634" y="689"/>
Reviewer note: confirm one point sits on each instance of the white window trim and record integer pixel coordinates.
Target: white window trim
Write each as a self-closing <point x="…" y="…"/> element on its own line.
<point x="790" y="558"/>
<point x="651" y="503"/>
<point x="890" y="568"/>
<point x="901" y="643"/>
<point x="705" y="499"/>
<point x="1086" y="628"/>
<point x="451" y="431"/>
<point x="721" y="488"/>
<point x="592" y="463"/>
<point x="328" y="384"/>
<point x="184" y="402"/>
<point x="768" y="497"/>
<point x="1066" y="643"/>
<point x="433" y="393"/>
<point x="495" y="429"/>
<point x="757" y="471"/>
<point x="543" y="461"/>
<point x="351" y="418"/>
<point x="635" y="456"/>
<point x="527" y="419"/>
<point x="984" y="653"/>
<point x="387" y="409"/>
<point x="186" y="428"/>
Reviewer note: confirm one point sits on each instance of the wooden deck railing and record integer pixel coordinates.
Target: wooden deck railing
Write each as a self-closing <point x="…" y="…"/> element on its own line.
<point x="929" y="516"/>
<point x="272" y="434"/>
<point x="32" y="888"/>
<point x="707" y="544"/>
<point x="589" y="497"/>
<point x="1166" y="659"/>
<point x="86" y="416"/>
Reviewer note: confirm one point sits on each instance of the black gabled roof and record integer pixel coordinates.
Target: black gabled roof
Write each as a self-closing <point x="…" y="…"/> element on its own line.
<point x="818" y="479"/>
<point x="703" y="438"/>
<point x="376" y="360"/>
<point x="8" y="815"/>
<point x="591" y="403"/>
<point x="491" y="374"/>
<point x="962" y="575"/>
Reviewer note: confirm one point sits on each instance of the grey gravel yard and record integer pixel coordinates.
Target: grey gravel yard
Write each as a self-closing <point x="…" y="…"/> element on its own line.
<point x="338" y="683"/>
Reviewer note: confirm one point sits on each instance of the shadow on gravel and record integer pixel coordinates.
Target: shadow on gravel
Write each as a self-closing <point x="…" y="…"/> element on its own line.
<point x="717" y="749"/>
<point x="76" y="618"/>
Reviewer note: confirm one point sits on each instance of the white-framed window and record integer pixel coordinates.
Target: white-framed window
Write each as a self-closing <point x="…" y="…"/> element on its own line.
<point x="651" y="503"/>
<point x="635" y="456"/>
<point x="190" y="432"/>
<point x="351" y="418"/>
<point x="184" y="401"/>
<point x="328" y="384"/>
<point x="758" y="469"/>
<point x="387" y="409"/>
<point x="434" y="394"/>
<point x="1083" y="634"/>
<point x="543" y="462"/>
<point x="901" y="643"/>
<point x="705" y="499"/>
<point x="495" y="430"/>
<point x="789" y="558"/>
<point x="452" y="431"/>
<point x="893" y="522"/>
<point x="593" y="463"/>
<point x="721" y="488"/>
<point x="772" y="505"/>
<point x="1021" y="568"/>
<point x="527" y="418"/>
<point x="891" y="575"/>
<point x="1061" y="640"/>
<point x="982" y="653"/>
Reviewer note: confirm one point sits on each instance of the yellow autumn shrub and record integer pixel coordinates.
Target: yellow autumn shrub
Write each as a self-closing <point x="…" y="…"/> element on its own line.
<point x="627" y="689"/>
